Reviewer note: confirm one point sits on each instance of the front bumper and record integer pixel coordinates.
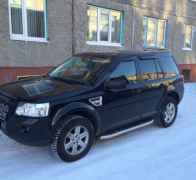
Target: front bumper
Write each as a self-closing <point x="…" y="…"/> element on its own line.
<point x="28" y="131"/>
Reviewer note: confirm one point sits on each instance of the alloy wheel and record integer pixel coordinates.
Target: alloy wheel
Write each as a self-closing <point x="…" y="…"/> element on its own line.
<point x="76" y="140"/>
<point x="170" y="112"/>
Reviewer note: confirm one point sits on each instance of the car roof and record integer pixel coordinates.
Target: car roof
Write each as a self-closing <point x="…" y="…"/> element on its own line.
<point x="118" y="55"/>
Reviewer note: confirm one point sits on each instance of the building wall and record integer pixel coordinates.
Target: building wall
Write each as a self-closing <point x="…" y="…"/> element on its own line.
<point x="156" y="11"/>
<point x="80" y="24"/>
<point x="16" y="55"/>
<point x="186" y="14"/>
<point x="159" y="6"/>
<point x="177" y="13"/>
<point x="67" y="31"/>
<point x="21" y="53"/>
<point x="191" y="69"/>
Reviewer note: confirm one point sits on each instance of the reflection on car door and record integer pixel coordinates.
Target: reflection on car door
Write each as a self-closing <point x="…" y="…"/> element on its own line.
<point x="152" y="90"/>
<point x="122" y="106"/>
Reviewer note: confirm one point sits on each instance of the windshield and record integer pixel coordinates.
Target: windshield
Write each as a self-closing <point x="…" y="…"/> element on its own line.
<point x="80" y="69"/>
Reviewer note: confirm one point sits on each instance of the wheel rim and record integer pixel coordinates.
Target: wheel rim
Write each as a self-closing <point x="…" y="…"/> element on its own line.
<point x="76" y="140"/>
<point x="170" y="112"/>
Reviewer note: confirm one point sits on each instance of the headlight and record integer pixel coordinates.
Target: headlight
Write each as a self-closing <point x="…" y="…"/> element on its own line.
<point x="33" y="110"/>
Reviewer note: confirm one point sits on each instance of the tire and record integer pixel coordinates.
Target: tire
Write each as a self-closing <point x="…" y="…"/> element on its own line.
<point x="74" y="139"/>
<point x="168" y="112"/>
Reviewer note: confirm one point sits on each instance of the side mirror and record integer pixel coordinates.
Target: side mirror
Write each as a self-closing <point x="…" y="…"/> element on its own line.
<point x="116" y="83"/>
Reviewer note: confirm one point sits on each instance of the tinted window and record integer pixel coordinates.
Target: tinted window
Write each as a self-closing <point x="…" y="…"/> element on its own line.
<point x="80" y="69"/>
<point x="126" y="69"/>
<point x="160" y="74"/>
<point x="148" y="70"/>
<point x="169" y="67"/>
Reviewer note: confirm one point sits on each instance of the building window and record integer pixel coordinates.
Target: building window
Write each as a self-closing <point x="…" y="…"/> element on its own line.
<point x="104" y="26"/>
<point x="28" y="20"/>
<point x="154" y="32"/>
<point x="188" y="37"/>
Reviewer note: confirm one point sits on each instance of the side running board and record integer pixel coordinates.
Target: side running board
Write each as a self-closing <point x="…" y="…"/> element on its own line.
<point x="109" y="136"/>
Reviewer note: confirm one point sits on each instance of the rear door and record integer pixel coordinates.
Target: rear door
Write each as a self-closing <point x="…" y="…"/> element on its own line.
<point x="172" y="79"/>
<point x="153" y="89"/>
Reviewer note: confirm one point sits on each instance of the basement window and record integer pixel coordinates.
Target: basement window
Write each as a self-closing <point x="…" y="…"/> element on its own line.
<point x="28" y="20"/>
<point x="104" y="26"/>
<point x="187" y="74"/>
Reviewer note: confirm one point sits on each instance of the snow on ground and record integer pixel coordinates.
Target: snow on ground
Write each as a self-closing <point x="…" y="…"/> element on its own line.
<point x="150" y="153"/>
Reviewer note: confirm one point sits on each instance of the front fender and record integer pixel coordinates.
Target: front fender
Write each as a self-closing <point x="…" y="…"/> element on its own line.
<point x="75" y="107"/>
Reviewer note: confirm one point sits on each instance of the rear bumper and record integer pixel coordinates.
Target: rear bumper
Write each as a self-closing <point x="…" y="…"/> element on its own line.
<point x="28" y="131"/>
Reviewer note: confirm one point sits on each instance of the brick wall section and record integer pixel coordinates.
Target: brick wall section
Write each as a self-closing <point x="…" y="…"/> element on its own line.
<point x="8" y="74"/>
<point x="191" y="68"/>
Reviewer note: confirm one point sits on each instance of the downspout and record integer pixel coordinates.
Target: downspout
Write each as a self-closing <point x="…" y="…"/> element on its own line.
<point x="133" y="28"/>
<point x="73" y="27"/>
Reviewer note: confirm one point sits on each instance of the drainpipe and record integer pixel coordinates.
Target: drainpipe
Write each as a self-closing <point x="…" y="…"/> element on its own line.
<point x="133" y="28"/>
<point x="73" y="27"/>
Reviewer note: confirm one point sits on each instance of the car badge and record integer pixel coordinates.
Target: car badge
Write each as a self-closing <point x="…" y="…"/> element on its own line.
<point x="96" y="101"/>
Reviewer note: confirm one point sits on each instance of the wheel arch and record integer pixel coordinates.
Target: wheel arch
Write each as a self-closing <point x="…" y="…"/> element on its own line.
<point x="174" y="95"/>
<point x="81" y="109"/>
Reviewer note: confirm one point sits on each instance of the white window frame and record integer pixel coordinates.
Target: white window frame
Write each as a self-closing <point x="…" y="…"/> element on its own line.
<point x="192" y="37"/>
<point x="105" y="43"/>
<point x="24" y="36"/>
<point x="145" y="44"/>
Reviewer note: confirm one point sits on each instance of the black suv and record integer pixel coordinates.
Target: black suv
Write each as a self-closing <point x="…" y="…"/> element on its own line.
<point x="89" y="96"/>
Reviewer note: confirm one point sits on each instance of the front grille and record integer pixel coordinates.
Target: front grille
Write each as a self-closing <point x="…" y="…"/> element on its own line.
<point x="4" y="110"/>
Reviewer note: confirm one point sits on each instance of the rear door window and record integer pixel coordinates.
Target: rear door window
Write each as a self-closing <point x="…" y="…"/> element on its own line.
<point x="147" y="70"/>
<point x="160" y="74"/>
<point x="168" y="66"/>
<point x="126" y="69"/>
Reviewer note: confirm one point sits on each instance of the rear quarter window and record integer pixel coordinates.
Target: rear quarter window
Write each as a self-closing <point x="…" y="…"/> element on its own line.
<point x="168" y="66"/>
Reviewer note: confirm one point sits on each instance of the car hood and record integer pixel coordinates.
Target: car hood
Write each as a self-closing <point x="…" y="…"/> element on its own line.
<point x="40" y="89"/>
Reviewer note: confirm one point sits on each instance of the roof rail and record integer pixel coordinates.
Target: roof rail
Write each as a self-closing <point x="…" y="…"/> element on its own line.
<point x="156" y="49"/>
<point x="130" y="51"/>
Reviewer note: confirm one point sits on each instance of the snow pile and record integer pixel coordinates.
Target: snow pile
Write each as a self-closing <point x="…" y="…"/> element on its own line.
<point x="150" y="153"/>
<point x="4" y="139"/>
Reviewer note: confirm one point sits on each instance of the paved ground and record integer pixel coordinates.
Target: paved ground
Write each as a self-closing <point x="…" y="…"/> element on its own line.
<point x="150" y="153"/>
